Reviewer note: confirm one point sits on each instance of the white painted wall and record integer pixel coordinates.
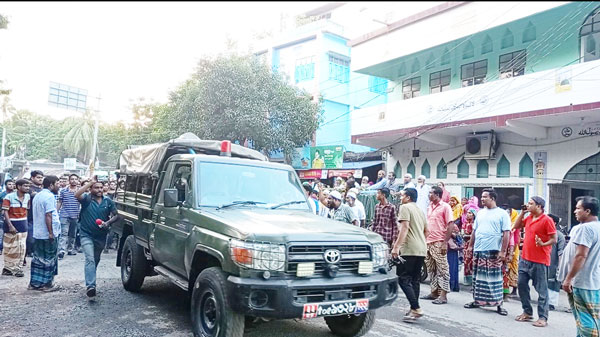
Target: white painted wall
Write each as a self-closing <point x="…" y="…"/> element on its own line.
<point x="451" y="25"/>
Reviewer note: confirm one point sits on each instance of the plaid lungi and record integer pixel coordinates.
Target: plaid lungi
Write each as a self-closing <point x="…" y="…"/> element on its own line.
<point x="586" y="309"/>
<point x="487" y="278"/>
<point x="14" y="251"/>
<point x="44" y="264"/>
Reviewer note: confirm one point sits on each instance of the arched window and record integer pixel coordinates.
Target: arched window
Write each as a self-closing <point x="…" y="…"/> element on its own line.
<point x="402" y="70"/>
<point x="411" y="169"/>
<point x="468" y="51"/>
<point x="430" y="61"/>
<point x="483" y="169"/>
<point x="589" y="36"/>
<point x="416" y="66"/>
<point x="529" y="34"/>
<point x="526" y="167"/>
<point x="508" y="40"/>
<point x="463" y="169"/>
<point x="487" y="46"/>
<point x="503" y="168"/>
<point x="442" y="170"/>
<point x="398" y="169"/>
<point x="426" y="169"/>
<point x="446" y="57"/>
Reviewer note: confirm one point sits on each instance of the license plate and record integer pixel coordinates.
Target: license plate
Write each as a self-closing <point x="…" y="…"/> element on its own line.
<point x="335" y="308"/>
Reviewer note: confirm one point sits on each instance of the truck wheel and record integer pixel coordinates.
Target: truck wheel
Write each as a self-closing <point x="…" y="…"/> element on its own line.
<point x="133" y="265"/>
<point x="211" y="313"/>
<point x="351" y="325"/>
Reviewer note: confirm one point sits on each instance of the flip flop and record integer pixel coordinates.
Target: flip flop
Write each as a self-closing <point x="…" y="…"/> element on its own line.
<point x="524" y="318"/>
<point x="428" y="297"/>
<point x="438" y="301"/>
<point x="471" y="305"/>
<point x="540" y="323"/>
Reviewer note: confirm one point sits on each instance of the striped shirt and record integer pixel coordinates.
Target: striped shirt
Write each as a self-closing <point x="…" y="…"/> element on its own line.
<point x="70" y="205"/>
<point x="17" y="211"/>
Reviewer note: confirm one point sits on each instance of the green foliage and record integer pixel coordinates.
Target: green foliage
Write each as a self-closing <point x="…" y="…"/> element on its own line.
<point x="34" y="136"/>
<point x="3" y="22"/>
<point x="79" y="140"/>
<point x="239" y="98"/>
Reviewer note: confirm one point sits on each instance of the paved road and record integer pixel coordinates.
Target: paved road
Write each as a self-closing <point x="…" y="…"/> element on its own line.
<point x="162" y="309"/>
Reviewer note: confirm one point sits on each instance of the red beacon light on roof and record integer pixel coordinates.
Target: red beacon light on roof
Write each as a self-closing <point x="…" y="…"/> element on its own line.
<point x="226" y="148"/>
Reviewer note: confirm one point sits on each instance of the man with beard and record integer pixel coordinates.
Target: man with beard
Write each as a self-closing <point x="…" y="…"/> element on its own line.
<point x="94" y="206"/>
<point x="341" y="212"/>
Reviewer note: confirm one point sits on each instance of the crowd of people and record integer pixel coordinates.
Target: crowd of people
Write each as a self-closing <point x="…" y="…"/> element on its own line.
<point x="503" y="250"/>
<point x="47" y="217"/>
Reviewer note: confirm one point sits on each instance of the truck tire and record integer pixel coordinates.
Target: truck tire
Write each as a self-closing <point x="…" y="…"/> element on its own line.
<point x="211" y="313"/>
<point x="351" y="325"/>
<point x="133" y="265"/>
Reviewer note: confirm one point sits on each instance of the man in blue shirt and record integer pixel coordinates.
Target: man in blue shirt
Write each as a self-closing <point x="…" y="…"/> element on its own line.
<point x="68" y="207"/>
<point x="94" y="206"/>
<point x="489" y="242"/>
<point x="46" y="230"/>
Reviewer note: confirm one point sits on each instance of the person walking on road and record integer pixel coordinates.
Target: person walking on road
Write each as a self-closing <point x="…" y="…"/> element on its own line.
<point x="410" y="248"/>
<point x="68" y="207"/>
<point x="557" y="252"/>
<point x="440" y="224"/>
<point x="15" y="206"/>
<point x="37" y="177"/>
<point x="423" y="194"/>
<point x="94" y="206"/>
<point x="489" y="243"/>
<point x="579" y="269"/>
<point x="540" y="235"/>
<point x="467" y="229"/>
<point x="46" y="231"/>
<point x="9" y="187"/>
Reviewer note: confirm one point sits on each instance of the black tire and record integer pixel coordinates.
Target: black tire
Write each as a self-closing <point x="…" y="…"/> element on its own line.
<point x="133" y="265"/>
<point x="351" y="325"/>
<point x="211" y="313"/>
<point x="423" y="273"/>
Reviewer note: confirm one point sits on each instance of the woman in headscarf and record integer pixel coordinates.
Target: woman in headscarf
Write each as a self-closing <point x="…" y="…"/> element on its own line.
<point x="473" y="204"/>
<point x="467" y="229"/>
<point x="445" y="193"/>
<point x="454" y="245"/>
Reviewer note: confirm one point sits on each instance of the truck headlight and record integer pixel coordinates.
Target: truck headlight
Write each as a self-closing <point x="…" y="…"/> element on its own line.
<point x="257" y="255"/>
<point x="380" y="254"/>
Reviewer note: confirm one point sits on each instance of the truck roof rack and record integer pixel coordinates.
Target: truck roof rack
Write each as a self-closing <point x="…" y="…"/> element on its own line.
<point x="149" y="159"/>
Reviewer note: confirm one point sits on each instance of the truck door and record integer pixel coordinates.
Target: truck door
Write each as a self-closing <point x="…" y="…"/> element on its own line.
<point x="172" y="229"/>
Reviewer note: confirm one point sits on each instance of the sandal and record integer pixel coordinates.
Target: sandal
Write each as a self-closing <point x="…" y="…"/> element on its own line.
<point x="428" y="297"/>
<point x="472" y="305"/>
<point x="438" y="301"/>
<point x="524" y="318"/>
<point x="501" y="311"/>
<point x="540" y="323"/>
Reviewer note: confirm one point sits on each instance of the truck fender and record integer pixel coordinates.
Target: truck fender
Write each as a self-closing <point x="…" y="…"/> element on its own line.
<point x="203" y="257"/>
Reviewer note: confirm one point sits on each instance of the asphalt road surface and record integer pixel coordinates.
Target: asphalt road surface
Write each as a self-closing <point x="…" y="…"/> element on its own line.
<point x="162" y="309"/>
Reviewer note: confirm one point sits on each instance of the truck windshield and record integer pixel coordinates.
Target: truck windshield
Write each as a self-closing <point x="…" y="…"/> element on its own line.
<point x="223" y="184"/>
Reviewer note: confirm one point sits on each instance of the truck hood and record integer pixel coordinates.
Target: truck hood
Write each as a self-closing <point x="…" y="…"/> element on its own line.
<point x="284" y="225"/>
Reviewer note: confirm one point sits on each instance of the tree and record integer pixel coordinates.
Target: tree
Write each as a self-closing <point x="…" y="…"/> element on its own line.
<point x="238" y="98"/>
<point x="79" y="140"/>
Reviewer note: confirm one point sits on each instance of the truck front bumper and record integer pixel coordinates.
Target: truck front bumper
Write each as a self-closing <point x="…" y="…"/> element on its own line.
<point x="285" y="298"/>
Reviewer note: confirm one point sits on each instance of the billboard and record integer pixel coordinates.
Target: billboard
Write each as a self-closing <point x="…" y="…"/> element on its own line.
<point x="301" y="158"/>
<point x="327" y="157"/>
<point x="67" y="97"/>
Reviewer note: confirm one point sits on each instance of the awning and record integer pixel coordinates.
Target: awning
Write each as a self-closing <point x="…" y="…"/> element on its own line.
<point x="360" y="164"/>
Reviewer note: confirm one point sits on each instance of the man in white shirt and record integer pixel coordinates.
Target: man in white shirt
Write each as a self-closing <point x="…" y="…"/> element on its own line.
<point x="422" y="194"/>
<point x="357" y="207"/>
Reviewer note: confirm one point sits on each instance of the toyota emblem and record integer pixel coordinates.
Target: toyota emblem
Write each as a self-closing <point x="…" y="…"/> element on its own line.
<point x="332" y="256"/>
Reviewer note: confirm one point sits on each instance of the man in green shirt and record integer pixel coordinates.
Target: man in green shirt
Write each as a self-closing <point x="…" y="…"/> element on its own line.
<point x="410" y="249"/>
<point x="94" y="206"/>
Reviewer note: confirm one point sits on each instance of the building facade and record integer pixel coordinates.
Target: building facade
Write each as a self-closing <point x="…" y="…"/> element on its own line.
<point x="499" y="95"/>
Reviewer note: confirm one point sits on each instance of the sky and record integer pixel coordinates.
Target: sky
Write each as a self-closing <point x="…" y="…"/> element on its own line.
<point x="120" y="51"/>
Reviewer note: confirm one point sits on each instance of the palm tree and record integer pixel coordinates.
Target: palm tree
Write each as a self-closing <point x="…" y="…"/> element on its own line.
<point x="80" y="137"/>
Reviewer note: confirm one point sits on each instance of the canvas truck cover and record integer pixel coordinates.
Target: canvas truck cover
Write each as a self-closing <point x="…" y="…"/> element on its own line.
<point x="148" y="159"/>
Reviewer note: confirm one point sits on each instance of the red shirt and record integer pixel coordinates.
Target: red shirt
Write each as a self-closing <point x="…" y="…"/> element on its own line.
<point x="543" y="227"/>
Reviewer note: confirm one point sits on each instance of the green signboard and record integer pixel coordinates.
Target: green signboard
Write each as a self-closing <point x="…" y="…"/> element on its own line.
<point x="327" y="157"/>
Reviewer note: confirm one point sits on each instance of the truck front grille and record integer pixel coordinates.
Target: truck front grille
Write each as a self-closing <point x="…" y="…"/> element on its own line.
<point x="351" y="255"/>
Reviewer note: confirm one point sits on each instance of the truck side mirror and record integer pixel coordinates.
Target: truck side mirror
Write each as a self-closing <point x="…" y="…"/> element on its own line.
<point x="170" y="197"/>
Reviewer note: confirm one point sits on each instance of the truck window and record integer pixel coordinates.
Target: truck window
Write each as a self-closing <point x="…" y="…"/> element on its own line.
<point x="181" y="180"/>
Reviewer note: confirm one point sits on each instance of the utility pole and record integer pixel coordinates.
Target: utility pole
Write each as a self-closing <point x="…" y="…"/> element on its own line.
<point x="95" y="142"/>
<point x="4" y="104"/>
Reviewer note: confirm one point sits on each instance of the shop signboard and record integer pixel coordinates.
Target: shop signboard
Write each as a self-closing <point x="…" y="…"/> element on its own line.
<point x="327" y="157"/>
<point x="312" y="174"/>
<point x="301" y="158"/>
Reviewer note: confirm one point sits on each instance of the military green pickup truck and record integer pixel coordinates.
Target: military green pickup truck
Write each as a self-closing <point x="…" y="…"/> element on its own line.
<point x="237" y="233"/>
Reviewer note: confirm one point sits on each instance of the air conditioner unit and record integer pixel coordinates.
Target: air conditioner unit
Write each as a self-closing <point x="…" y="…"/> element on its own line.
<point x="481" y="146"/>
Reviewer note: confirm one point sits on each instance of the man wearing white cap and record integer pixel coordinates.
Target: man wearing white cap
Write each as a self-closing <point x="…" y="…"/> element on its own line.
<point x="357" y="207"/>
<point x="341" y="212"/>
